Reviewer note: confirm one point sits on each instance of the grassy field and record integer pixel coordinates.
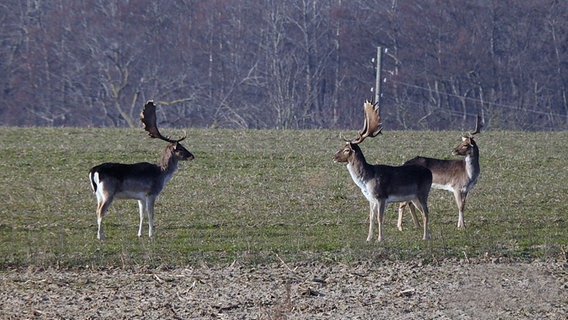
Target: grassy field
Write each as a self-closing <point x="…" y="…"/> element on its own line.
<point x="260" y="196"/>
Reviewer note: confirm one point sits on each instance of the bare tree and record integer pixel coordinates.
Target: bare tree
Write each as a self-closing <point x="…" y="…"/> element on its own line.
<point x="299" y="64"/>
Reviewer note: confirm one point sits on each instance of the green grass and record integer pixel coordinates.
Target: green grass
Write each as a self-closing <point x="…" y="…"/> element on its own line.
<point x="259" y="196"/>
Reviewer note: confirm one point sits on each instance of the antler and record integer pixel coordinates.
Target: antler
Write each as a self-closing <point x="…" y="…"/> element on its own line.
<point x="478" y="124"/>
<point x="148" y="118"/>
<point x="371" y="126"/>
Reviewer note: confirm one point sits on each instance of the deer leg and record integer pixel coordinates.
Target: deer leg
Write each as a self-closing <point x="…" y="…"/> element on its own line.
<point x="422" y="205"/>
<point x="150" y="210"/>
<point x="381" y="217"/>
<point x="401" y="207"/>
<point x="460" y="202"/>
<point x="372" y="215"/>
<point x="102" y="207"/>
<point x="142" y="206"/>
<point x="413" y="214"/>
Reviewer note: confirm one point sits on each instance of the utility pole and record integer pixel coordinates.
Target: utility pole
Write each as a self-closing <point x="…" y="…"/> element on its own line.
<point x="378" y="76"/>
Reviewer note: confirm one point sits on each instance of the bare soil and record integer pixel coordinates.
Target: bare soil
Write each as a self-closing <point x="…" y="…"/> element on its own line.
<point x="395" y="290"/>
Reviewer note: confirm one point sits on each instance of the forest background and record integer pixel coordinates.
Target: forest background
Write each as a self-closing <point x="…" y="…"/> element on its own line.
<point x="301" y="64"/>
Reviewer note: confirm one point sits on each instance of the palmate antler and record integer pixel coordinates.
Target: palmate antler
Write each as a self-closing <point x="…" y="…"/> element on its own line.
<point x="479" y="122"/>
<point x="148" y="118"/>
<point x="371" y="125"/>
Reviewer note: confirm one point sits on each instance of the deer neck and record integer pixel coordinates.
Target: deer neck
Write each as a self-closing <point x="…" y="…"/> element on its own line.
<point x="472" y="164"/>
<point x="168" y="163"/>
<point x="358" y="167"/>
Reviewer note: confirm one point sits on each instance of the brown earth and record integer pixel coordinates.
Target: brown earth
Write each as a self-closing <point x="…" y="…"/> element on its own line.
<point x="394" y="290"/>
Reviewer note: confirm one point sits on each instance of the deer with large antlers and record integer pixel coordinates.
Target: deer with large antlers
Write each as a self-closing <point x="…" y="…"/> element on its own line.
<point x="382" y="184"/>
<point x="457" y="176"/>
<point x="141" y="181"/>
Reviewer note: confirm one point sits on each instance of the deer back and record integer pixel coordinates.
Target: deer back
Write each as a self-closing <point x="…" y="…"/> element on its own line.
<point x="399" y="183"/>
<point x="137" y="178"/>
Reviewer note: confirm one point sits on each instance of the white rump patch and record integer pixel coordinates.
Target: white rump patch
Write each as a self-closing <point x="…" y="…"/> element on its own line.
<point x="100" y="188"/>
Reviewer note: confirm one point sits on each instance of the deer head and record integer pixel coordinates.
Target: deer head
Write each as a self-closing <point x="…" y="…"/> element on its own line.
<point x="371" y="128"/>
<point x="148" y="118"/>
<point x="467" y="146"/>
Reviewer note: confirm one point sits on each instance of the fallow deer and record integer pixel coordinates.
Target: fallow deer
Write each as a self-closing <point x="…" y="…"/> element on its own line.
<point x="141" y="181"/>
<point x="382" y="184"/>
<point x="457" y="176"/>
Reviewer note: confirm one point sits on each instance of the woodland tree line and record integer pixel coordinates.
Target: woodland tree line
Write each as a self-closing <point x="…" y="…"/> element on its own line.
<point x="296" y="64"/>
